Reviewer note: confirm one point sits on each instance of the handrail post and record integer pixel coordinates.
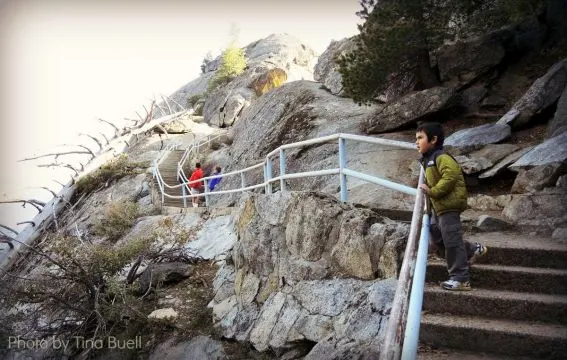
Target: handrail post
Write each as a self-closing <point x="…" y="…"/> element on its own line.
<point x="411" y="337"/>
<point x="268" y="176"/>
<point x="342" y="165"/>
<point x="391" y="349"/>
<point x="206" y="192"/>
<point x="243" y="179"/>
<point x="184" y="195"/>
<point x="282" y="169"/>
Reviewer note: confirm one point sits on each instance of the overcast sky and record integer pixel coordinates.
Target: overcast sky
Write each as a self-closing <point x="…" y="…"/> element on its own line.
<point x="65" y="63"/>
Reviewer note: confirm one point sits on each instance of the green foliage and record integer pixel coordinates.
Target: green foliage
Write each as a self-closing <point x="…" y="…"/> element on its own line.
<point x="192" y="100"/>
<point x="112" y="170"/>
<point x="233" y="63"/>
<point x="79" y="282"/>
<point x="398" y="35"/>
<point x="118" y="219"/>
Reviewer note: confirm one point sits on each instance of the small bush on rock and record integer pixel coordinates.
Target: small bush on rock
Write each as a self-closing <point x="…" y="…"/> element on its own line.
<point x="118" y="219"/>
<point x="103" y="176"/>
<point x="233" y="63"/>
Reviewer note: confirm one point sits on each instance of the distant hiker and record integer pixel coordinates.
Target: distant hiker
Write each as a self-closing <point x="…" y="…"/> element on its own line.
<point x="216" y="180"/>
<point x="197" y="187"/>
<point x="445" y="186"/>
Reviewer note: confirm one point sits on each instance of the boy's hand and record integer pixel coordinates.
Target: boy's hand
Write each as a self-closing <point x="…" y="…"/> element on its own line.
<point x="425" y="188"/>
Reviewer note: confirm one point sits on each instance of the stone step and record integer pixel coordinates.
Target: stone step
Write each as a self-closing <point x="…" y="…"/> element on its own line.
<point x="505" y="337"/>
<point x="426" y="352"/>
<point x="497" y="304"/>
<point x="515" y="249"/>
<point x="511" y="278"/>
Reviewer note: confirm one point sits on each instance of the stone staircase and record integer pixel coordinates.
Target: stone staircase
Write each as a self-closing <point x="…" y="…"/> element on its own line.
<point x="517" y="308"/>
<point x="168" y="170"/>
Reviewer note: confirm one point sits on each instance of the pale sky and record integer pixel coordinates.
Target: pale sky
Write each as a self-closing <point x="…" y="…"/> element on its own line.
<point x="65" y="63"/>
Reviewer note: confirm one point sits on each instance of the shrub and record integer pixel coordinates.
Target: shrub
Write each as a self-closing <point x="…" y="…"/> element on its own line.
<point x="118" y="219"/>
<point x="192" y="100"/>
<point x="233" y="63"/>
<point x="112" y="170"/>
<point x="77" y="291"/>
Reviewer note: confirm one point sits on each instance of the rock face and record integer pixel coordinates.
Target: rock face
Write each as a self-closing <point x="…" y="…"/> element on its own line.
<point x="326" y="71"/>
<point x="293" y="58"/>
<point x="302" y="110"/>
<point x="409" y="109"/>
<point x="461" y="63"/>
<point x="289" y="247"/>
<point x="542" y="94"/>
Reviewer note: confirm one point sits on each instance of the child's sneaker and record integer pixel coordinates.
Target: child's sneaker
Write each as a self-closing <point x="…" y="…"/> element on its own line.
<point x="455" y="285"/>
<point x="479" y="251"/>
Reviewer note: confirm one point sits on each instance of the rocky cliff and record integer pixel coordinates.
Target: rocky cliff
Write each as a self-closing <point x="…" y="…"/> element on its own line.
<point x="298" y="274"/>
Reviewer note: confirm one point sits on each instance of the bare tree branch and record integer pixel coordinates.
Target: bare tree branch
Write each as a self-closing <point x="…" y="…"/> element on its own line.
<point x="105" y="138"/>
<point x="175" y="102"/>
<point x="9" y="229"/>
<point x="7" y="240"/>
<point x="33" y="202"/>
<point x="56" y="155"/>
<point x="116" y="130"/>
<point x="95" y="139"/>
<point x="158" y="106"/>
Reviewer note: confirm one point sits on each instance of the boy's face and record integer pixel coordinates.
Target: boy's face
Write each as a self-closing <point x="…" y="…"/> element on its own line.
<point x="423" y="143"/>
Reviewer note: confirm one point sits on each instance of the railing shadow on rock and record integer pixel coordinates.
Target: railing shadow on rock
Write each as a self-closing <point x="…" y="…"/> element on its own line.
<point x="402" y="333"/>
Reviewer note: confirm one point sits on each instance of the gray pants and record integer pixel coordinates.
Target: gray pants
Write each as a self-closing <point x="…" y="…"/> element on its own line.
<point x="447" y="236"/>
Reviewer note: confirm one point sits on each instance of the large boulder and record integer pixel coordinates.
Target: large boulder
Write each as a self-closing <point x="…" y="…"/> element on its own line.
<point x="461" y="63"/>
<point x="480" y="135"/>
<point x="485" y="158"/>
<point x="545" y="208"/>
<point x="409" y="109"/>
<point x="541" y="95"/>
<point x="158" y="275"/>
<point x="326" y="70"/>
<point x="550" y="151"/>
<point x="538" y="177"/>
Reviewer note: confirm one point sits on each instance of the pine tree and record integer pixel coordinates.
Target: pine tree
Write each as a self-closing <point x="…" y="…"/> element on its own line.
<point x="398" y="35"/>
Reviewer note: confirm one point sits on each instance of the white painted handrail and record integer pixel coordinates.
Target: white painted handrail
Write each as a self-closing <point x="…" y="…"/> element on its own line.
<point x="415" y="257"/>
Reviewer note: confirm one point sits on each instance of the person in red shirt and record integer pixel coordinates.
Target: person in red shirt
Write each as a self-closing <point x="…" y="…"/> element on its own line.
<point x="196" y="187"/>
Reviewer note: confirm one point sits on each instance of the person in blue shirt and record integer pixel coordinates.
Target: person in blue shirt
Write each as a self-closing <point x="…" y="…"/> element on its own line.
<point x="216" y="180"/>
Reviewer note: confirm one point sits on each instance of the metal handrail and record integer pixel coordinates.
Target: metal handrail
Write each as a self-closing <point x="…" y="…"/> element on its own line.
<point x="411" y="280"/>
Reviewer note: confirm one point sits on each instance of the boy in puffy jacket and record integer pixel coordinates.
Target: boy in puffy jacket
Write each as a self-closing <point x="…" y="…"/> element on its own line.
<point x="445" y="186"/>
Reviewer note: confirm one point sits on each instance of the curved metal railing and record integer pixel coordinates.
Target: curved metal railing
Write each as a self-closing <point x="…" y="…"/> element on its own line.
<point x="402" y="333"/>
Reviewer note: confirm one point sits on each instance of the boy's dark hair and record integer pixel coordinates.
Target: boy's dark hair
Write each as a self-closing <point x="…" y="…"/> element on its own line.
<point x="218" y="169"/>
<point x="198" y="165"/>
<point x="432" y="129"/>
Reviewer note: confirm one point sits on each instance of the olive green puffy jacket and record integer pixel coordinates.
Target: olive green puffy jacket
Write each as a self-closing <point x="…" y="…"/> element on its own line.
<point x="444" y="177"/>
